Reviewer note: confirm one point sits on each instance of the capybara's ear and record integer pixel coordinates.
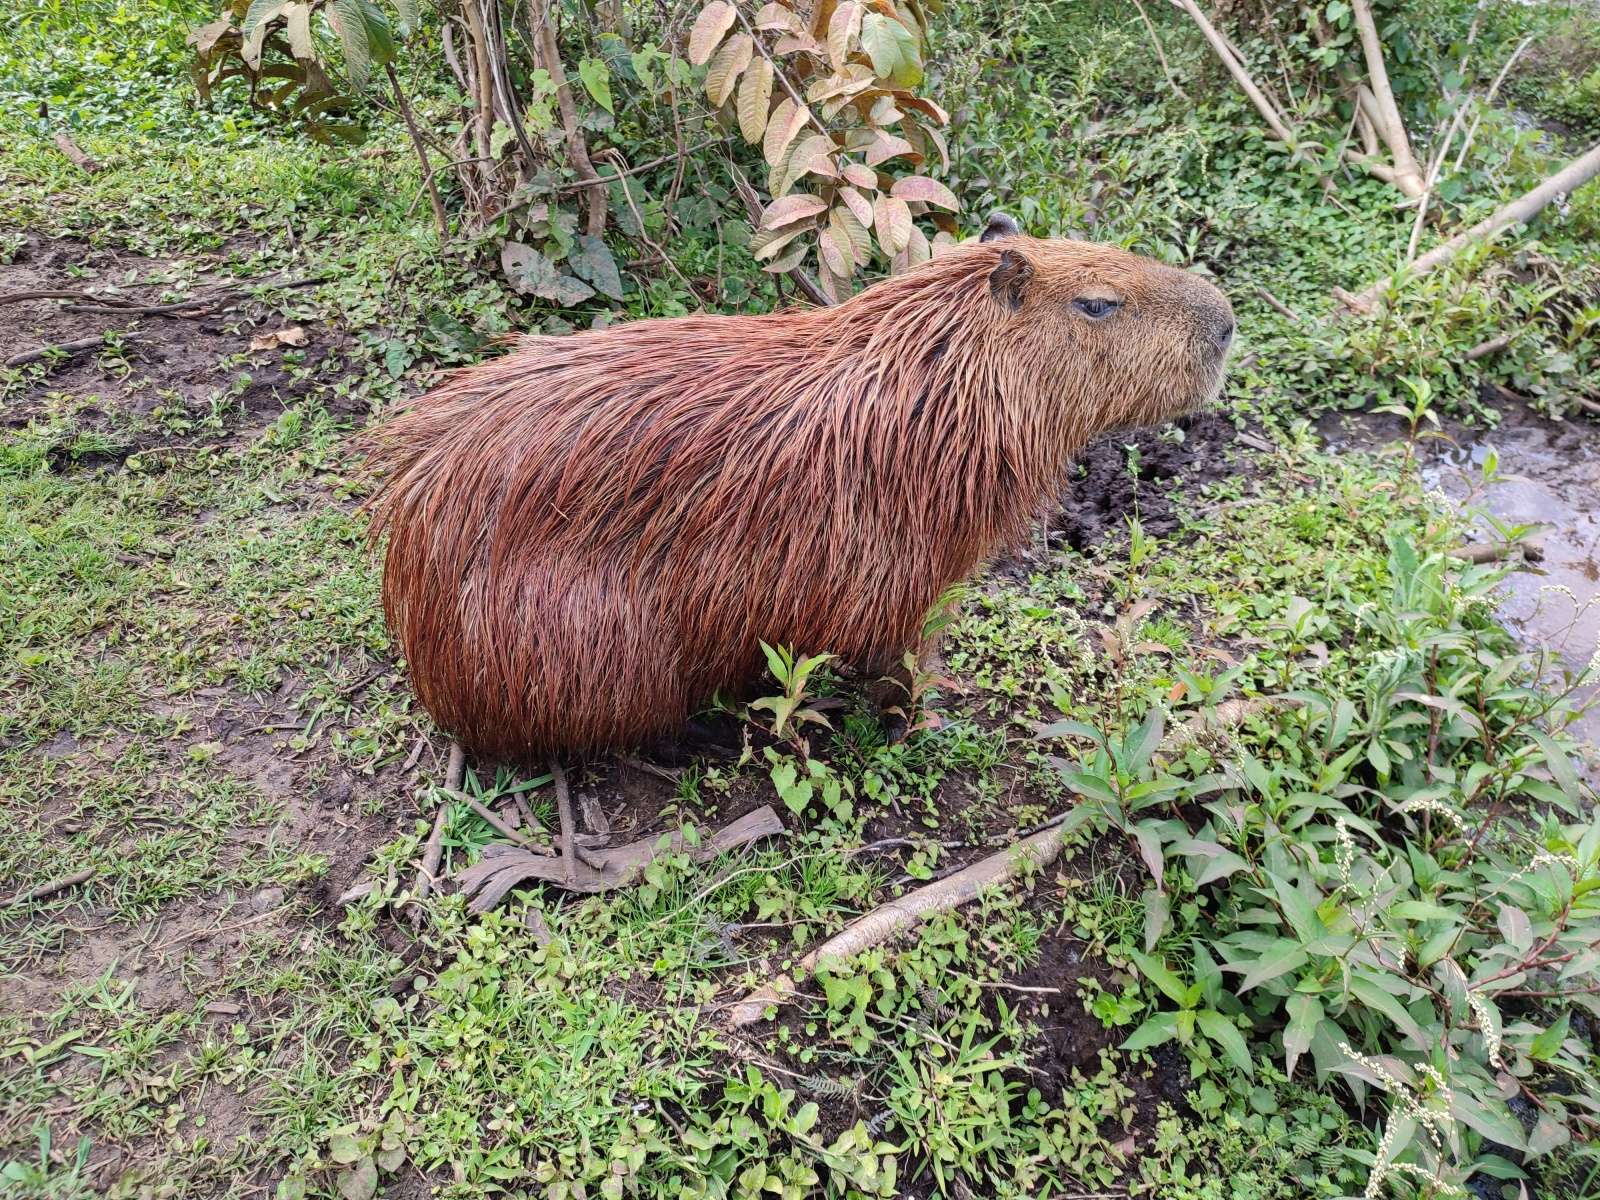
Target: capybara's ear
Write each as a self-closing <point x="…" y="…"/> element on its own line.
<point x="1008" y="282"/>
<point x="1000" y="226"/>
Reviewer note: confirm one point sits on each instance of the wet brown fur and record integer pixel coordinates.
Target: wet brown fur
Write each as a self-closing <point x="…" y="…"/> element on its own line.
<point x="589" y="536"/>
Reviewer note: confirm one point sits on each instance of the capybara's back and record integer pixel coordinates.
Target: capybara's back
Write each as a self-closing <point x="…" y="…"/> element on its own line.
<point x="591" y="535"/>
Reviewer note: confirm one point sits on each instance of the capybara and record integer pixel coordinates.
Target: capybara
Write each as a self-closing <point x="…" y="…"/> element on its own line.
<point x="590" y="536"/>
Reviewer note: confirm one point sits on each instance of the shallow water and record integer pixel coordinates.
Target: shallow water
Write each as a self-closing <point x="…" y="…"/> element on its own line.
<point x="1550" y="473"/>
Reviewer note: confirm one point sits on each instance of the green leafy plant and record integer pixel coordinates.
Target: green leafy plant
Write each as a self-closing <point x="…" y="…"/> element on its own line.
<point x="276" y="47"/>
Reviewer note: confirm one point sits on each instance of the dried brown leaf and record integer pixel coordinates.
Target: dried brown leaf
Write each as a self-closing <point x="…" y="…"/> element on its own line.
<point x="710" y="27"/>
<point x="726" y="68"/>
<point x="755" y="99"/>
<point x="294" y="335"/>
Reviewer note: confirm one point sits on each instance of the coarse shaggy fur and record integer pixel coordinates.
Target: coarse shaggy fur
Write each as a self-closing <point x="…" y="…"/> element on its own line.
<point x="590" y="536"/>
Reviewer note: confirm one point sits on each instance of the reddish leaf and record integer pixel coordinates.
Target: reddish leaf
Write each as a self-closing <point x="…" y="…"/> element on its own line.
<point x="859" y="205"/>
<point x="892" y="220"/>
<point x="843" y="28"/>
<point x="792" y="208"/>
<point x="786" y="121"/>
<point x="861" y="176"/>
<point x="930" y="191"/>
<point x="726" y="68"/>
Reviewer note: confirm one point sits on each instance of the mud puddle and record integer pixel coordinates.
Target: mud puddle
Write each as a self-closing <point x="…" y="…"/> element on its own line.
<point x="1548" y="474"/>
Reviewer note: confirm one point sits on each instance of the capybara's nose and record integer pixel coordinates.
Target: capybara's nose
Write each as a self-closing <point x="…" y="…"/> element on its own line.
<point x="1222" y="333"/>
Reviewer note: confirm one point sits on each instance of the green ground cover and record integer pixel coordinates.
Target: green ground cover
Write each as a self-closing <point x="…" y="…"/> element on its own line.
<point x="1322" y="926"/>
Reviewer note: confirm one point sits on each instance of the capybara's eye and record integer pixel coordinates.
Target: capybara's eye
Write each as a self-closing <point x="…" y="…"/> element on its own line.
<point x="1096" y="306"/>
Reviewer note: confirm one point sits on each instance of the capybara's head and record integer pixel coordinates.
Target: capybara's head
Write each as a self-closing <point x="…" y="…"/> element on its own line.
<point x="1138" y="342"/>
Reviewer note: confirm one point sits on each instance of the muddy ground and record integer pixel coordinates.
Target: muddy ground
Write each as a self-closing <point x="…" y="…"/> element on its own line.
<point x="1549" y="476"/>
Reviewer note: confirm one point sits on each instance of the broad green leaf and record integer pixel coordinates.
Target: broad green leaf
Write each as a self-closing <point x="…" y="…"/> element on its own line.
<point x="1085" y="784"/>
<point x="1305" y="1013"/>
<point x="410" y="16"/>
<point x="1162" y="1027"/>
<point x="380" y="37"/>
<point x="343" y="1148"/>
<point x="1140" y="745"/>
<point x="1548" y="1134"/>
<point x="348" y="18"/>
<point x="1226" y="1034"/>
<point x="881" y="45"/>
<point x="1374" y="996"/>
<point x="1283" y="956"/>
<point x="1424" y="910"/>
<point x="1157" y="973"/>
<point x="1221" y="867"/>
<point x="1546" y="1044"/>
<point x="1149" y="839"/>
<point x="907" y="72"/>
<point x="259" y="11"/>
<point x="1300" y="912"/>
<point x="1560" y="766"/>
<point x="1515" y="927"/>
<point x="1490" y="1117"/>
<point x="1157" y="915"/>
<point x="596" y="78"/>
<point x="592" y="260"/>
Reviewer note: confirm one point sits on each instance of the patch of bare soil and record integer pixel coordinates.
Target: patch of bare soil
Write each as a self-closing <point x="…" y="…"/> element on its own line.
<point x="157" y="360"/>
<point x="1143" y="473"/>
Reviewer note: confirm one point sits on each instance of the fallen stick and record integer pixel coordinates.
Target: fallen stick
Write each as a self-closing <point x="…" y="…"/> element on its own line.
<point x="49" y="889"/>
<point x="78" y="158"/>
<point x="67" y="348"/>
<point x="1492" y="346"/>
<point x="1277" y="305"/>
<point x="501" y="827"/>
<point x="883" y="922"/>
<point x="670" y="774"/>
<point x="569" y="859"/>
<point x="142" y="309"/>
<point x="961" y="888"/>
<point x="1531" y="544"/>
<point x="1564" y="182"/>
<point x="434" y="850"/>
<point x="208" y="932"/>
<point x="18" y="297"/>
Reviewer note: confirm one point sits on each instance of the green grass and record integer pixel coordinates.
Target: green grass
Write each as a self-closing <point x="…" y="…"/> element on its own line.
<point x="168" y="571"/>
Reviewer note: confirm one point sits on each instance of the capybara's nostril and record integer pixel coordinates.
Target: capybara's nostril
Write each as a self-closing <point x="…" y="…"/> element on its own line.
<point x="1222" y="333"/>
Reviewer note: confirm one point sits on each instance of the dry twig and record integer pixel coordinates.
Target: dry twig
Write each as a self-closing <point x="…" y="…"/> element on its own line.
<point x="44" y="890"/>
<point x="434" y="850"/>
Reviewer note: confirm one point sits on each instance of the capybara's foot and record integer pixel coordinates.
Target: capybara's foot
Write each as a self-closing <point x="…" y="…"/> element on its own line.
<point x="893" y="724"/>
